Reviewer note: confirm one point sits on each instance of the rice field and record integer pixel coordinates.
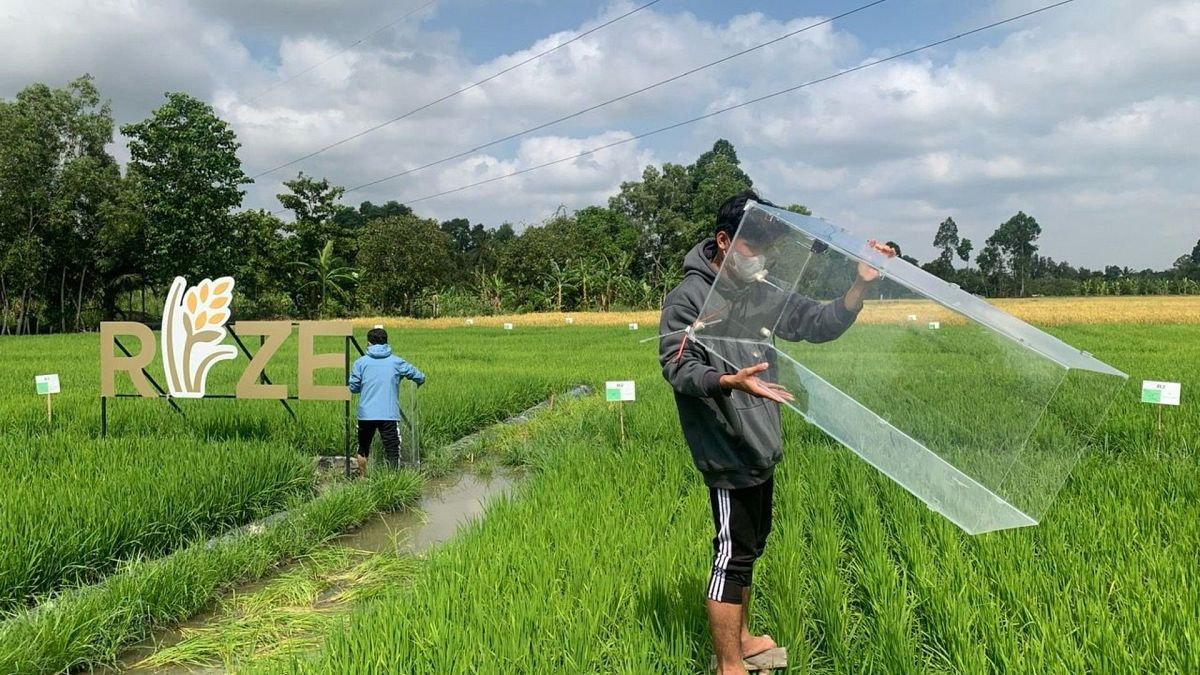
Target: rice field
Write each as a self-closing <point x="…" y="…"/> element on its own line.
<point x="1166" y="309"/>
<point x="76" y="508"/>
<point x="598" y="563"/>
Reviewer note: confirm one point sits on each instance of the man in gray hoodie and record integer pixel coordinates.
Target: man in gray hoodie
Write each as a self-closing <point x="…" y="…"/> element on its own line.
<point x="731" y="418"/>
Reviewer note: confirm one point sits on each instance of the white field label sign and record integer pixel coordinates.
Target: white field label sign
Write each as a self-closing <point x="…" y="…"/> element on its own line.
<point x="46" y="384"/>
<point x="1162" y="393"/>
<point x="622" y="390"/>
<point x="508" y="326"/>
<point x="569" y="320"/>
<point x="935" y="325"/>
<point x="912" y="317"/>
<point x="633" y="326"/>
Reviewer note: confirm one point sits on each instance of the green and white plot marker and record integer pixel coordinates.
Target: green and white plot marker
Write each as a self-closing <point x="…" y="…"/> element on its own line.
<point x="620" y="391"/>
<point x="47" y="385"/>
<point x="1162" y="393"/>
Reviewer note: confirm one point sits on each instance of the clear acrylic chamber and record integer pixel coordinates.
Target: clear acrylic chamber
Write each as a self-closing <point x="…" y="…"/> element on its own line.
<point x="973" y="411"/>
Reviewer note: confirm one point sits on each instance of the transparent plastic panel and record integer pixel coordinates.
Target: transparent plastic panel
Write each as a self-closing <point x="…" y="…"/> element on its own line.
<point x="975" y="412"/>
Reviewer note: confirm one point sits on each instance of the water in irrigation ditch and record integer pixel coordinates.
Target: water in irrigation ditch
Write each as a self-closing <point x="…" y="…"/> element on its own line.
<point x="446" y="504"/>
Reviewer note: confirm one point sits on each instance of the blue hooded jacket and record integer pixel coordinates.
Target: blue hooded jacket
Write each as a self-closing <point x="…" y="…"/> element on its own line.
<point x="376" y="377"/>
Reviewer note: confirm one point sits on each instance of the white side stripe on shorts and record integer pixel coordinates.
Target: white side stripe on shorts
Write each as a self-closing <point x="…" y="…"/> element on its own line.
<point x="716" y="585"/>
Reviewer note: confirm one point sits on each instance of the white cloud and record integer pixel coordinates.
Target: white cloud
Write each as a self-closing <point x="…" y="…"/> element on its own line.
<point x="1085" y="116"/>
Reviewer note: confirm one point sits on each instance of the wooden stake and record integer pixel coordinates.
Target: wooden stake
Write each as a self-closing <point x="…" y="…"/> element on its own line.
<point x="49" y="408"/>
<point x="622" y="406"/>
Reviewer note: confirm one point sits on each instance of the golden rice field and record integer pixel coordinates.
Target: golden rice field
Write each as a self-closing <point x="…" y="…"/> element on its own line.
<point x="1167" y="309"/>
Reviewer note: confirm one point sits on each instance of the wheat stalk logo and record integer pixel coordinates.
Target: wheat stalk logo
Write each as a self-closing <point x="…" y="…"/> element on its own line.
<point x="192" y="331"/>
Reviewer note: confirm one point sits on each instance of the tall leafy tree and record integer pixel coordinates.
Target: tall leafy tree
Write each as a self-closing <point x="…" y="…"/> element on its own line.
<point x="55" y="179"/>
<point x="1013" y="243"/>
<point x="184" y="159"/>
<point x="660" y="207"/>
<point x="964" y="248"/>
<point x="263" y="265"/>
<point x="716" y="175"/>
<point x="318" y="217"/>
<point x="947" y="240"/>
<point x="399" y="257"/>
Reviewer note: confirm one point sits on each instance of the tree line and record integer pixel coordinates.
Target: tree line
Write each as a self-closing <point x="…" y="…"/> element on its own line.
<point x="82" y="240"/>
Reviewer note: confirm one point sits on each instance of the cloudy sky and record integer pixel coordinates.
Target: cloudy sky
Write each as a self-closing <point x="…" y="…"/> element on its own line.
<point x="1086" y="116"/>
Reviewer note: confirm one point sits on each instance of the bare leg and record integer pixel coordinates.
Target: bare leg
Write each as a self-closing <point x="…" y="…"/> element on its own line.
<point x="362" y="465"/>
<point x="752" y="644"/>
<point x="725" y="619"/>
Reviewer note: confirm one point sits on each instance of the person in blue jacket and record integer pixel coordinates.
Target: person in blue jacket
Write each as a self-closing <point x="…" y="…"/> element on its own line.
<point x="376" y="377"/>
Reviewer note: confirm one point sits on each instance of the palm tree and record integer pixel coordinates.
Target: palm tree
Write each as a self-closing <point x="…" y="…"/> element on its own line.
<point x="585" y="273"/>
<point x="327" y="275"/>
<point x="492" y="289"/>
<point x="668" y="278"/>
<point x="561" y="278"/>
<point x="610" y="275"/>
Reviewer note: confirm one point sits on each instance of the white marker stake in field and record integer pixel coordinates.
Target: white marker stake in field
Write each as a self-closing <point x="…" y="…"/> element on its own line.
<point x="569" y="320"/>
<point x="469" y="322"/>
<point x="508" y="326"/>
<point x="619" y="392"/>
<point x="47" y="385"/>
<point x="1160" y="393"/>
<point x="912" y="317"/>
<point x="633" y="326"/>
<point x="935" y="325"/>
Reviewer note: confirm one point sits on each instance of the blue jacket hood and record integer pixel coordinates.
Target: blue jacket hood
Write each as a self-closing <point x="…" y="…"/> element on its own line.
<point x="379" y="351"/>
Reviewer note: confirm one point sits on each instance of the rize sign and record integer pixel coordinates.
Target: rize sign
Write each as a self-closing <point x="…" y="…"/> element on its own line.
<point x="192" y="343"/>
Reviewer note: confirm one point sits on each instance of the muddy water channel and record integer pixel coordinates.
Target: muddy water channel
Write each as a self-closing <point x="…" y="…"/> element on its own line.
<point x="447" y="503"/>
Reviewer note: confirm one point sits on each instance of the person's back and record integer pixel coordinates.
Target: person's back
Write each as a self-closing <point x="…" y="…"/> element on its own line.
<point x="376" y="377"/>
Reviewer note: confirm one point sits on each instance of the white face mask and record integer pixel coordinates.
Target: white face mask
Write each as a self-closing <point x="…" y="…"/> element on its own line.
<point x="746" y="268"/>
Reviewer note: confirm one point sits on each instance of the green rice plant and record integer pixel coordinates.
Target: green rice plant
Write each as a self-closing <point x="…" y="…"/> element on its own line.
<point x="91" y="625"/>
<point x="71" y="512"/>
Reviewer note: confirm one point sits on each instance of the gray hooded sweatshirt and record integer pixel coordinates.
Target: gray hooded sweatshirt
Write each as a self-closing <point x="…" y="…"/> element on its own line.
<point x="735" y="437"/>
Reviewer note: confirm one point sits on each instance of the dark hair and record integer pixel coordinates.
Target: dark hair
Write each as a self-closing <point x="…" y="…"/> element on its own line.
<point x="729" y="215"/>
<point x="377" y="336"/>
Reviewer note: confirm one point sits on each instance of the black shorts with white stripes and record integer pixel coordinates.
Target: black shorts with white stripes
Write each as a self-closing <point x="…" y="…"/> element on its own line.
<point x="742" y="519"/>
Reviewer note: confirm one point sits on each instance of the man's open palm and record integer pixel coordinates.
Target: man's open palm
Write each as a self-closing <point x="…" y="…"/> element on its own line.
<point x="747" y="380"/>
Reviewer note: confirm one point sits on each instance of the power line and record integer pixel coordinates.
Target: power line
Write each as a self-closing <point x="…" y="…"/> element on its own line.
<point x="722" y="111"/>
<point x="452" y="94"/>
<point x="622" y="97"/>
<point x="345" y="49"/>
